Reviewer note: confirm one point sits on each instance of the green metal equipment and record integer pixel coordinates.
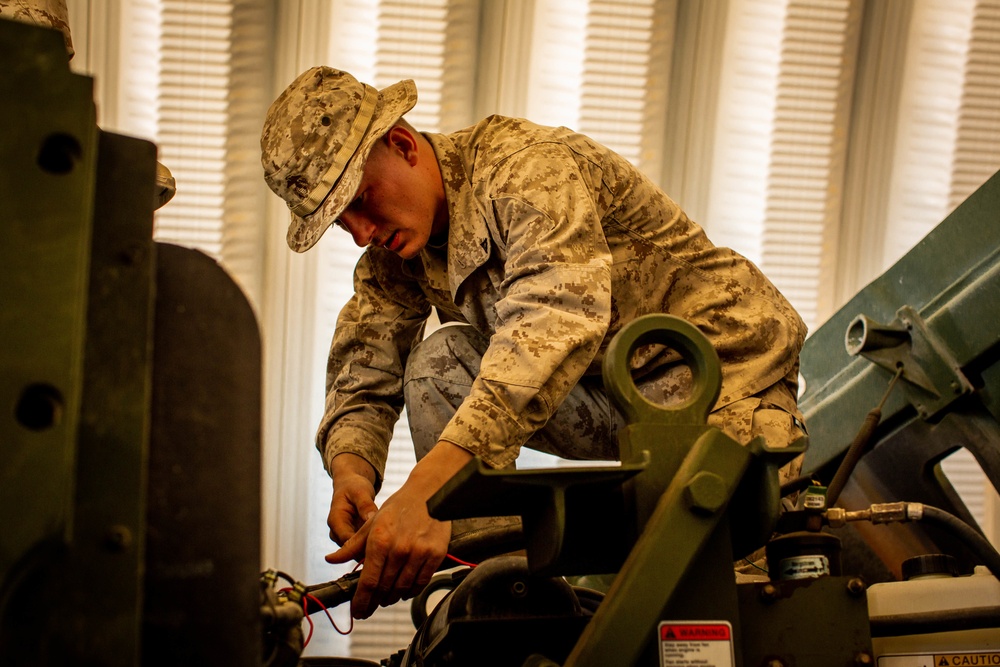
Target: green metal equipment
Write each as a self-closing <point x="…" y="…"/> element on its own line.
<point x="682" y="483"/>
<point x="130" y="429"/>
<point x="129" y="482"/>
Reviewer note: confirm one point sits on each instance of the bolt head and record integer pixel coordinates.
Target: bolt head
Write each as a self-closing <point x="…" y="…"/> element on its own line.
<point x="705" y="492"/>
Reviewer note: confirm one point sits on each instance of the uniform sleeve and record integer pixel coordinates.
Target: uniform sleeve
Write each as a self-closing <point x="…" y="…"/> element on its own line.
<point x="374" y="334"/>
<point x="554" y="307"/>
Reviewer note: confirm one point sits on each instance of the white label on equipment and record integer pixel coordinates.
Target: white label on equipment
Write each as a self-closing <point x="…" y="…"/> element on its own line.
<point x="814" y="501"/>
<point x="701" y="643"/>
<point x="954" y="659"/>
<point x="804" y="567"/>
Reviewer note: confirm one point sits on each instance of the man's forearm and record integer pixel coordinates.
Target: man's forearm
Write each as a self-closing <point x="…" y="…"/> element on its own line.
<point x="351" y="464"/>
<point x="441" y="463"/>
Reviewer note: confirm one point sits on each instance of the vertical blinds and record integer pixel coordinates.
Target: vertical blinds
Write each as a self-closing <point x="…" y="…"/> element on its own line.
<point x="204" y="60"/>
<point x="602" y="68"/>
<point x="137" y="96"/>
<point x="930" y="108"/>
<point x="194" y="67"/>
<point x="624" y="88"/>
<point x="977" y="144"/>
<point x="244" y="198"/>
<point x="781" y="139"/>
<point x="434" y="43"/>
<point x="818" y="54"/>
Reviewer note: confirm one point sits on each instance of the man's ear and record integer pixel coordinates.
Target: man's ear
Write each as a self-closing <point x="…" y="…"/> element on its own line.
<point x="403" y="141"/>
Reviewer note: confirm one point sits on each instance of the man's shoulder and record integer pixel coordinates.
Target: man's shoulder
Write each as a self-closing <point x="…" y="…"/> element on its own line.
<point x="497" y="136"/>
<point x="511" y="148"/>
<point x="497" y="128"/>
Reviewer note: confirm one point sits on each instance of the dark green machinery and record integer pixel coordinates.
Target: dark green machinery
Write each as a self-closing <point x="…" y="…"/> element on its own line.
<point x="129" y="475"/>
<point x="934" y="318"/>
<point x="690" y="501"/>
<point x="129" y="481"/>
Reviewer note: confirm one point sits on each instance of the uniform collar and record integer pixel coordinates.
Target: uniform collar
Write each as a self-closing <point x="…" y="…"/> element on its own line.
<point x="468" y="236"/>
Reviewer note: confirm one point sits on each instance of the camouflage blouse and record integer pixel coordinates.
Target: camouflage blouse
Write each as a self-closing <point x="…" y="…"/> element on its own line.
<point x="554" y="243"/>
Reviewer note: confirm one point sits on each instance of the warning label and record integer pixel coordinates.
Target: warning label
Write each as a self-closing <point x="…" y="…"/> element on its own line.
<point x="696" y="643"/>
<point x="966" y="659"/>
<point x="982" y="659"/>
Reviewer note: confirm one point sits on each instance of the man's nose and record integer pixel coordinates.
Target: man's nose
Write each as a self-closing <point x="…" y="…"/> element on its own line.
<point x="360" y="229"/>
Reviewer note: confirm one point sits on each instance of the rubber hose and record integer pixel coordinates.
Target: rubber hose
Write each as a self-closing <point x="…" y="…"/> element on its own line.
<point x="978" y="544"/>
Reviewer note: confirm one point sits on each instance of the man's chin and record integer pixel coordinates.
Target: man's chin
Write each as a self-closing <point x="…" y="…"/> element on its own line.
<point x="406" y="253"/>
<point x="411" y="249"/>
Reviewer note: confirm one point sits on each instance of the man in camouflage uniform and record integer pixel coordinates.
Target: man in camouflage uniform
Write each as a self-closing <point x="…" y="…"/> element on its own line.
<point x="43" y="13"/>
<point x="543" y="244"/>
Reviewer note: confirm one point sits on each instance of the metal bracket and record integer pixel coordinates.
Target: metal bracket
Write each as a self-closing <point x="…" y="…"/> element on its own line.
<point x="933" y="379"/>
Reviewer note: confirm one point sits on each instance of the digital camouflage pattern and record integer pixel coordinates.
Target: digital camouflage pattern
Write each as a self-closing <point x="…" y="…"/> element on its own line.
<point x="442" y="368"/>
<point x="316" y="138"/>
<point x="44" y="13"/>
<point x="555" y="243"/>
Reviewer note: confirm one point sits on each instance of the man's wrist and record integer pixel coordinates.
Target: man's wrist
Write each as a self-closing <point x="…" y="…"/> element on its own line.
<point x="348" y="463"/>
<point x="440" y="465"/>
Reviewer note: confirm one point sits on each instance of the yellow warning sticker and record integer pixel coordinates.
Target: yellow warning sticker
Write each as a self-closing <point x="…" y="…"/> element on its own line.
<point x="966" y="659"/>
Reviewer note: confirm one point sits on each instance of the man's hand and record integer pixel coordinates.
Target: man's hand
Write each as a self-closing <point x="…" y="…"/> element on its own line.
<point x="353" y="501"/>
<point x="402" y="546"/>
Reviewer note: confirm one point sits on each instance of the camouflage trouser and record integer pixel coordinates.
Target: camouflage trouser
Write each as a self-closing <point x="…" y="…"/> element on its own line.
<point x="441" y="369"/>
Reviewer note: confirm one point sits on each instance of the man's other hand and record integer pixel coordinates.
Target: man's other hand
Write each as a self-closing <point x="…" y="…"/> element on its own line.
<point x="353" y="502"/>
<point x="401" y="545"/>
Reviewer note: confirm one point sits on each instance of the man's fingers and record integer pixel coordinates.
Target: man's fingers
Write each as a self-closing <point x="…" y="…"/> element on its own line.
<point x="424" y="577"/>
<point x="401" y="574"/>
<point x="342" y="528"/>
<point x="399" y="585"/>
<point x="370" y="589"/>
<point x="347" y="516"/>
<point x="367" y="509"/>
<point x="416" y="574"/>
<point x="353" y="548"/>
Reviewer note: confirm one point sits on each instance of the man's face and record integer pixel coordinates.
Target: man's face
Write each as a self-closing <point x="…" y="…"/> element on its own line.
<point x="396" y="205"/>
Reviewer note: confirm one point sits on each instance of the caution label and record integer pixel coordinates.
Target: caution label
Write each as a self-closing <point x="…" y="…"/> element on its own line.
<point x="701" y="643"/>
<point x="968" y="659"/>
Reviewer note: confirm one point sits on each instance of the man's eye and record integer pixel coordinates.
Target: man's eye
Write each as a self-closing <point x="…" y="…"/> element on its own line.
<point x="357" y="203"/>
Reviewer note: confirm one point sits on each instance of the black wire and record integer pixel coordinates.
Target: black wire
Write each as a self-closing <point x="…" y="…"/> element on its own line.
<point x="286" y="577"/>
<point x="978" y="544"/>
<point x="337" y="592"/>
<point x="589" y="598"/>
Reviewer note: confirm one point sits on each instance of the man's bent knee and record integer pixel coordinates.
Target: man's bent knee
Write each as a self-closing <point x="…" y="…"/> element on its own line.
<point x="439" y="375"/>
<point x="451" y="354"/>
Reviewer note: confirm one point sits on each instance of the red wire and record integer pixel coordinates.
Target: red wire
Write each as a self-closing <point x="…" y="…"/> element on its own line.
<point x="460" y="561"/>
<point x="305" y="611"/>
<point x="332" y="622"/>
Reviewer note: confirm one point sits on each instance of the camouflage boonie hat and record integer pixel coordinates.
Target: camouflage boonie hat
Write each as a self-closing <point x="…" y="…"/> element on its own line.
<point x="45" y="13"/>
<point x="316" y="139"/>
